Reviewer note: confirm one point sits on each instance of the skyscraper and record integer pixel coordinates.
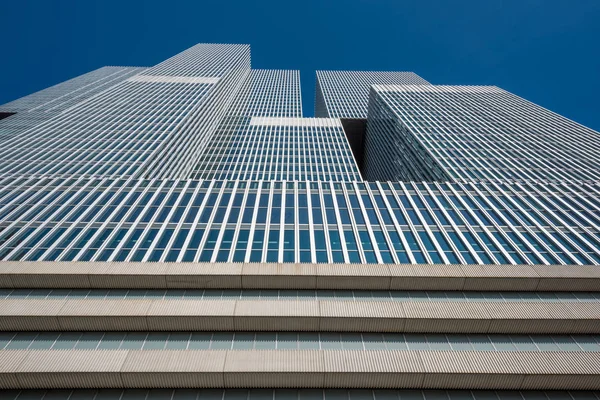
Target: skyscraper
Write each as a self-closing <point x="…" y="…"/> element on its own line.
<point x="345" y="94"/>
<point x="183" y="232"/>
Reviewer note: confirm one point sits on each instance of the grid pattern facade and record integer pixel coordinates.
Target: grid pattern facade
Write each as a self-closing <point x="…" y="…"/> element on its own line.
<point x="60" y="97"/>
<point x="269" y="93"/>
<point x="345" y="94"/>
<point x="164" y="113"/>
<point x="39" y="107"/>
<point x="254" y="221"/>
<point x="116" y="141"/>
<point x="183" y="229"/>
<point x="271" y="148"/>
<point x="473" y="133"/>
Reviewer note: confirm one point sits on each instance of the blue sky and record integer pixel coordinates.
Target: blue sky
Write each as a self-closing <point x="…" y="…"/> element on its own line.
<point x="546" y="51"/>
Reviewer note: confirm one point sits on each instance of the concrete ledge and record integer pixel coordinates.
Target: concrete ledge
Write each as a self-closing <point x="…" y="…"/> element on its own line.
<point x="143" y="369"/>
<point x="72" y="369"/>
<point x="46" y="369"/>
<point x="267" y="369"/>
<point x="105" y="275"/>
<point x="298" y="315"/>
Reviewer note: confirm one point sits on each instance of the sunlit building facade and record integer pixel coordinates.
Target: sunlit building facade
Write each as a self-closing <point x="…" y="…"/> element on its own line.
<point x="345" y="94"/>
<point x="183" y="232"/>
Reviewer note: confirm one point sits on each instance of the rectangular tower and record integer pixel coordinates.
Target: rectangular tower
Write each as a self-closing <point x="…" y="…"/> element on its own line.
<point x="472" y="133"/>
<point x="152" y="124"/>
<point x="345" y="94"/>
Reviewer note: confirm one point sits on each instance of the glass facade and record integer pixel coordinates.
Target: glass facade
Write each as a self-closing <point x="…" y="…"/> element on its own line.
<point x="345" y="94"/>
<point x="472" y="133"/>
<point x="46" y="104"/>
<point x="272" y="148"/>
<point x="287" y="221"/>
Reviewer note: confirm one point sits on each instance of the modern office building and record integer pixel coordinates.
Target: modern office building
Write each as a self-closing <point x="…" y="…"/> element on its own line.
<point x="345" y="94"/>
<point x="183" y="232"/>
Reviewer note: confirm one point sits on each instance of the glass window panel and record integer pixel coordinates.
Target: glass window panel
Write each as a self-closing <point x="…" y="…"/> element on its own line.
<point x="160" y="394"/>
<point x="411" y="395"/>
<point x="545" y="343"/>
<point x="67" y="340"/>
<point x="373" y="341"/>
<point x="45" y="340"/>
<point x="511" y="395"/>
<point x="435" y="395"/>
<point x="221" y="341"/>
<point x="395" y="341"/>
<point x="178" y="341"/>
<point x="438" y="342"/>
<point x="236" y="395"/>
<point x="330" y="341"/>
<point x="285" y="394"/>
<point x="265" y="340"/>
<point x="361" y="395"/>
<point x="460" y="395"/>
<point x="243" y="340"/>
<point x="89" y="340"/>
<point x="133" y="341"/>
<point x="287" y="340"/>
<point x="385" y="394"/>
<point x="200" y="341"/>
<point x="83" y="394"/>
<point x="566" y="343"/>
<point x="310" y="394"/>
<point x="352" y="341"/>
<point x="135" y="394"/>
<point x="336" y="394"/>
<point x="308" y="341"/>
<point x="481" y="343"/>
<point x="57" y="395"/>
<point x="261" y="394"/>
<point x="416" y="341"/>
<point x="184" y="394"/>
<point x="588" y="343"/>
<point x="21" y="341"/>
<point x="502" y="342"/>
<point x="459" y="342"/>
<point x="523" y="343"/>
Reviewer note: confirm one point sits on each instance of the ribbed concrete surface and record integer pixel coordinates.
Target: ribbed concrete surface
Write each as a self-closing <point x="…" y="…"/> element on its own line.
<point x="9" y="364"/>
<point x="130" y="275"/>
<point x="21" y="369"/>
<point x="298" y="315"/>
<point x="362" y="316"/>
<point x="261" y="315"/>
<point x="376" y="369"/>
<point x="147" y="369"/>
<point x="210" y="315"/>
<point x="71" y="369"/>
<point x="268" y="369"/>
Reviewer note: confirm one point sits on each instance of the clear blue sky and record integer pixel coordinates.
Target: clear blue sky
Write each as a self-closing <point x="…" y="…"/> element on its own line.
<point x="547" y="51"/>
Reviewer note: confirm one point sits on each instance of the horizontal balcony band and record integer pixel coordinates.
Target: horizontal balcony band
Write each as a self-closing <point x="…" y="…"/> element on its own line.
<point x="292" y="394"/>
<point x="286" y="341"/>
<point x="129" y="275"/>
<point x="47" y="369"/>
<point x="262" y="315"/>
<point x="300" y="294"/>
